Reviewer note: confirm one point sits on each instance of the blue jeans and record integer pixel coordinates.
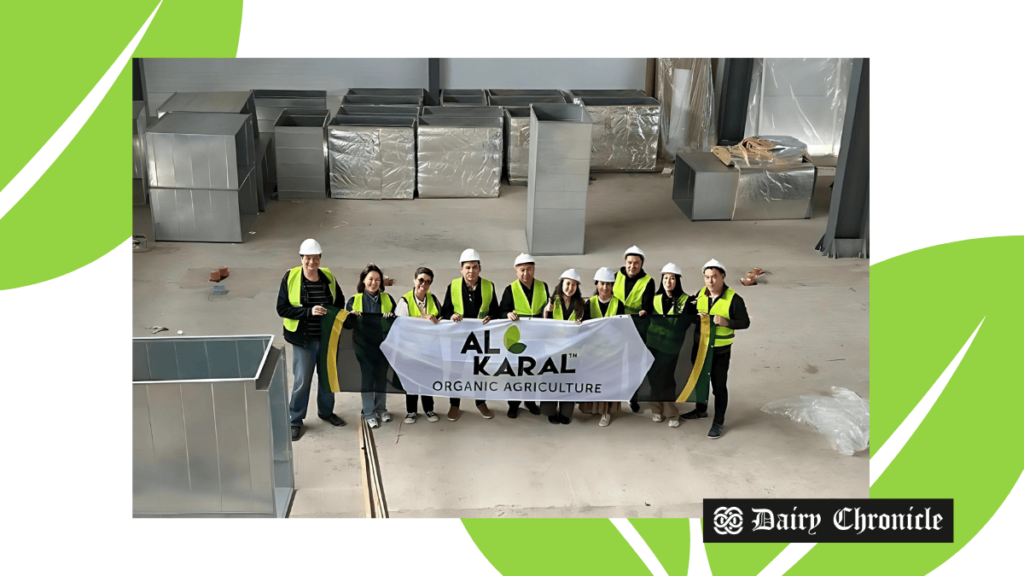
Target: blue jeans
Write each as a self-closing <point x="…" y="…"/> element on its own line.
<point x="374" y="403"/>
<point x="304" y="359"/>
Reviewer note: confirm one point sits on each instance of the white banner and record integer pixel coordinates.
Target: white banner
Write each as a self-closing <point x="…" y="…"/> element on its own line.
<point x="600" y="360"/>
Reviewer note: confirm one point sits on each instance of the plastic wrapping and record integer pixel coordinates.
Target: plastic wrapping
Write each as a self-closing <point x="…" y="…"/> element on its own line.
<point x="517" y="145"/>
<point x="624" y="137"/>
<point x="688" y="121"/>
<point x="844" y="419"/>
<point x="458" y="157"/>
<point x="777" y="188"/>
<point x="372" y="158"/>
<point x="800" y="97"/>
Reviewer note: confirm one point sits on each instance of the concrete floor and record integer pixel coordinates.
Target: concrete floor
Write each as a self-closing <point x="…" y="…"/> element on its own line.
<point x="809" y="331"/>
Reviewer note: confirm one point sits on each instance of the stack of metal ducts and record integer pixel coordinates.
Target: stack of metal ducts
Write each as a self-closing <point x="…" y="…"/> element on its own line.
<point x="458" y="157"/>
<point x="462" y="112"/>
<point x="300" y="143"/>
<point x="625" y="133"/>
<point x="372" y="157"/>
<point x="536" y="95"/>
<point x="370" y="100"/>
<point x="271" y="103"/>
<point x="139" y="152"/>
<point x="463" y="98"/>
<point x="202" y="176"/>
<point x="358" y="110"/>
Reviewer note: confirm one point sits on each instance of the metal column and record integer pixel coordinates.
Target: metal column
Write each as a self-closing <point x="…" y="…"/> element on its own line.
<point x="847" y="233"/>
<point x="732" y="109"/>
<point x="434" y="81"/>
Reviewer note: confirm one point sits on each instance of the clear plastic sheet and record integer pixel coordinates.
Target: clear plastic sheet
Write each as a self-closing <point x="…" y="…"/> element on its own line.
<point x="372" y="163"/>
<point x="517" y="145"/>
<point x="624" y="135"/>
<point x="778" y="188"/>
<point x="688" y="120"/>
<point x="459" y="161"/>
<point x="844" y="419"/>
<point x="800" y="97"/>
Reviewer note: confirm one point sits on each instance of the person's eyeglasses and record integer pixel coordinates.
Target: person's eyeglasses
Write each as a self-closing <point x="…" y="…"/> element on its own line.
<point x="424" y="280"/>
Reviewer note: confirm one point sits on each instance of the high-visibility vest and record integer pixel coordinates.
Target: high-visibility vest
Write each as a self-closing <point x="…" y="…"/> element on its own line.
<point x="659" y="307"/>
<point x="414" y="310"/>
<point x="558" y="314"/>
<point x="386" y="303"/>
<point x="524" y="308"/>
<point x="595" y="307"/>
<point x="633" y="301"/>
<point x="295" y="293"/>
<point x="486" y="295"/>
<point x="723" y="335"/>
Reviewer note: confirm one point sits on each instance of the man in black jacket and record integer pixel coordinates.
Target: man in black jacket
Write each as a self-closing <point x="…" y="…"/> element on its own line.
<point x="305" y="290"/>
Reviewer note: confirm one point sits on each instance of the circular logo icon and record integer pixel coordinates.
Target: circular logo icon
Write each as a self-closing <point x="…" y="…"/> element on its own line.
<point x="728" y="520"/>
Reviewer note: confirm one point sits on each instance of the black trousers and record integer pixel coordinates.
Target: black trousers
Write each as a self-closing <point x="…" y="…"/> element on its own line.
<point x="457" y="402"/>
<point x="516" y="403"/>
<point x="719" y="376"/>
<point x="557" y="409"/>
<point x="410" y="403"/>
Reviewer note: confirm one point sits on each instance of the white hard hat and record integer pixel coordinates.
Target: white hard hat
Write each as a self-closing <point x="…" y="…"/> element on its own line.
<point x="310" y="247"/>
<point x="671" y="268"/>
<point x="635" y="250"/>
<point x="713" y="264"/>
<point x="570" y="274"/>
<point x="604" y="275"/>
<point x="469" y="255"/>
<point x="524" y="259"/>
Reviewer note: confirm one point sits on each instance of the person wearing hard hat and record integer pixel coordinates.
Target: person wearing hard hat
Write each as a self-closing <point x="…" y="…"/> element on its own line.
<point x="635" y="288"/>
<point x="668" y="301"/>
<point x="420" y="303"/>
<point x="525" y="297"/>
<point x="728" y="314"/>
<point x="304" y="292"/>
<point x="469" y="297"/>
<point x="603" y="304"/>
<point x="565" y="304"/>
<point x="370" y="298"/>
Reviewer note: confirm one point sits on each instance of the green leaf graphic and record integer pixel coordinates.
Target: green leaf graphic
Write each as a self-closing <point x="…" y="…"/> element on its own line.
<point x="511" y="337"/>
<point x="517" y="348"/>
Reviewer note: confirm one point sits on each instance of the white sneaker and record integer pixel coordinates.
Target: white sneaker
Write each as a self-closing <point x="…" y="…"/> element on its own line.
<point x="673" y="423"/>
<point x="410" y="418"/>
<point x="385" y="416"/>
<point x="658" y="418"/>
<point x="372" y="422"/>
<point x="431" y="417"/>
<point x="606" y="419"/>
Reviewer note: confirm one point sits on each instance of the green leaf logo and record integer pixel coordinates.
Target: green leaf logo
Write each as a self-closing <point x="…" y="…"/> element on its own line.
<point x="512" y="343"/>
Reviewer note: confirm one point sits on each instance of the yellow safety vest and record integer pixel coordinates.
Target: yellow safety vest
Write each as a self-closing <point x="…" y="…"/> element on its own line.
<point x="414" y="310"/>
<point x="558" y="314"/>
<point x="633" y="302"/>
<point x="595" y="307"/>
<point x="659" y="308"/>
<point x="386" y="304"/>
<point x="723" y="335"/>
<point x="295" y="293"/>
<point x="523" y="308"/>
<point x="486" y="295"/>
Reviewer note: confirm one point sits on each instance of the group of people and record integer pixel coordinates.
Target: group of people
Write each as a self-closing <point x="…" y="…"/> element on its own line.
<point x="307" y="289"/>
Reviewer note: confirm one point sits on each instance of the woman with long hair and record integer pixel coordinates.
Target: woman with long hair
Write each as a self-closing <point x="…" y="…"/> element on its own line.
<point x="565" y="304"/>
<point x="371" y="299"/>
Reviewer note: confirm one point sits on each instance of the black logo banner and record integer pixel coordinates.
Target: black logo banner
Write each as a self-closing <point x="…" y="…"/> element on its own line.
<point x="828" y="520"/>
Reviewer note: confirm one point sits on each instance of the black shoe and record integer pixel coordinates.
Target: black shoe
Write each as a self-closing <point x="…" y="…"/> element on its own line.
<point x="635" y="407"/>
<point x="513" y="412"/>
<point x="554" y="419"/>
<point x="693" y="415"/>
<point x="716" y="431"/>
<point x="296" y="433"/>
<point x="333" y="419"/>
<point x="564" y="419"/>
<point x="533" y="408"/>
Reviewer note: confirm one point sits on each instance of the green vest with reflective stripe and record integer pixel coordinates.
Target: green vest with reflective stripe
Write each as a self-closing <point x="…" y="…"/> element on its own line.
<point x="558" y="314"/>
<point x="723" y="335"/>
<point x="486" y="295"/>
<point x="659" y="308"/>
<point x="524" y="308"/>
<point x="634" y="301"/>
<point x="595" y="307"/>
<point x="386" y="304"/>
<point x="295" y="293"/>
<point x="414" y="310"/>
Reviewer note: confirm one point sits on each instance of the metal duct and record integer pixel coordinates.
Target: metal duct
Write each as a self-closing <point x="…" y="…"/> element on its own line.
<point x="625" y="133"/>
<point x="372" y="157"/>
<point x="458" y="157"/>
<point x="300" y="146"/>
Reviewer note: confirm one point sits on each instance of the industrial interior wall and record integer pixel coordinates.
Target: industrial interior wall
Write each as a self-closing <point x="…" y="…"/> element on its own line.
<point x="164" y="76"/>
<point x="800" y="97"/>
<point x="528" y="73"/>
<point x="685" y="88"/>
